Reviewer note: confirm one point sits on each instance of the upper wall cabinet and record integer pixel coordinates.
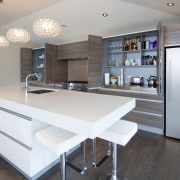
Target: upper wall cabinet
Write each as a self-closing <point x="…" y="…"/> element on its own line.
<point x="171" y="34"/>
<point x="90" y="50"/>
<point x="77" y="50"/>
<point x="138" y="49"/>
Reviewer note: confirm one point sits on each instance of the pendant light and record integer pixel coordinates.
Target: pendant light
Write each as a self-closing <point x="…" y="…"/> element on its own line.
<point x="46" y="27"/>
<point x="18" y="35"/>
<point x="4" y="41"/>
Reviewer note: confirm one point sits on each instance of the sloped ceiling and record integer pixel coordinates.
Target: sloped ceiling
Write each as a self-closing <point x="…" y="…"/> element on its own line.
<point x="84" y="17"/>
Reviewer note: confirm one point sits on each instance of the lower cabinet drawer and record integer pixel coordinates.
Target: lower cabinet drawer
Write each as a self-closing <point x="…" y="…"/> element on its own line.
<point x="154" y="107"/>
<point x="16" y="127"/>
<point x="15" y="153"/>
<point x="145" y="119"/>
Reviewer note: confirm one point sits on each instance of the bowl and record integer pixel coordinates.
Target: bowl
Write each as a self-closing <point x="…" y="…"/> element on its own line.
<point x="113" y="81"/>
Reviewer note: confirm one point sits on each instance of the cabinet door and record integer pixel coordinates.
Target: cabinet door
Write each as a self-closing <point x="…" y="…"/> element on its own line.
<point x="26" y="62"/>
<point x="95" y="61"/>
<point x="160" y="69"/>
<point x="50" y="58"/>
<point x="77" y="50"/>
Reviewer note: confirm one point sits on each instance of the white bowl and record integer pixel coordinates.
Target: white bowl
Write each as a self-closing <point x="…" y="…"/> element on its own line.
<point x="113" y="81"/>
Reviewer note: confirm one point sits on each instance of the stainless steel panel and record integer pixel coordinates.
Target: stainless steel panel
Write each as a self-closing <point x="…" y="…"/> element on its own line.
<point x="172" y="92"/>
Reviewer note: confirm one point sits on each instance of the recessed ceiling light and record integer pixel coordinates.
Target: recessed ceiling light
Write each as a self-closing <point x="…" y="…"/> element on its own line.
<point x="170" y="4"/>
<point x="105" y="14"/>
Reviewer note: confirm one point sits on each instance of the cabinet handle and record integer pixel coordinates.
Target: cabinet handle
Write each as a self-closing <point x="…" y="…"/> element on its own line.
<point x="16" y="114"/>
<point x="169" y="81"/>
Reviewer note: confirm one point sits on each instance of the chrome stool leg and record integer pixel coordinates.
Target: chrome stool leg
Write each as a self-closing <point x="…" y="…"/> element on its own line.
<point x="114" y="162"/>
<point x="63" y="166"/>
<point x="84" y="168"/>
<point x="113" y="175"/>
<point x="95" y="164"/>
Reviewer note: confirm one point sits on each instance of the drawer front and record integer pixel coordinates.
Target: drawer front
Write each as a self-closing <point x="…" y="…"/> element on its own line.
<point x="129" y="94"/>
<point x="19" y="128"/>
<point x="16" y="154"/>
<point x="145" y="119"/>
<point x="155" y="107"/>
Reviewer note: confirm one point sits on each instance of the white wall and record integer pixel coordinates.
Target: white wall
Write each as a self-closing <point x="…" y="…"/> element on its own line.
<point x="10" y="63"/>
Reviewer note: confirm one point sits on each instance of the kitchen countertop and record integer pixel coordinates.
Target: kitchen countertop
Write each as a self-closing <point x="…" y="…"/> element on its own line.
<point x="87" y="114"/>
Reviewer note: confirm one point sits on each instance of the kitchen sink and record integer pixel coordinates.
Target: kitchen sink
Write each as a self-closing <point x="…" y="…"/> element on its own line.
<point x="41" y="91"/>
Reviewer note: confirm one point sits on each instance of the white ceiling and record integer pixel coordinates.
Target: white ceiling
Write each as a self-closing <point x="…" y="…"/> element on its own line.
<point x="84" y="17"/>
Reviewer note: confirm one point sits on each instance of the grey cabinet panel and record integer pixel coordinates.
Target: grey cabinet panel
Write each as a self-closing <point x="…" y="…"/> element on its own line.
<point x="149" y="108"/>
<point x="50" y="58"/>
<point x="171" y="34"/>
<point x="129" y="94"/>
<point x="95" y="61"/>
<point x="26" y="62"/>
<point x="145" y="119"/>
<point x="77" y="50"/>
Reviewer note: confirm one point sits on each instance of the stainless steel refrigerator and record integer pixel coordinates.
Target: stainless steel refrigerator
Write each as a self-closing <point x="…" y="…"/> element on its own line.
<point x="172" y="91"/>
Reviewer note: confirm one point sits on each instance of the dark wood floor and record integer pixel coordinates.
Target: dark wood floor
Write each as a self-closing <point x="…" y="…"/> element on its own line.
<point x="148" y="156"/>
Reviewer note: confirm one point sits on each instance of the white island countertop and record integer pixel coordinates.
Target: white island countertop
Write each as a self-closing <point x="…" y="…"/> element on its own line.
<point x="84" y="113"/>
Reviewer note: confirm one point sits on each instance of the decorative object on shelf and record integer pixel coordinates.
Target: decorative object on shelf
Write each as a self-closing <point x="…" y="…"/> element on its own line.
<point x="106" y="78"/>
<point x="4" y="41"/>
<point x="18" y="35"/>
<point x="46" y="27"/>
<point x="113" y="80"/>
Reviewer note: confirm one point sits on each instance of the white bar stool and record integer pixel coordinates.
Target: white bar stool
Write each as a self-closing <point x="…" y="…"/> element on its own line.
<point x="60" y="141"/>
<point x="119" y="133"/>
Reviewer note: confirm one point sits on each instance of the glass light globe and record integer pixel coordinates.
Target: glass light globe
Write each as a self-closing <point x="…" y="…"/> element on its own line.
<point x="4" y="41"/>
<point x="46" y="27"/>
<point x="18" y="35"/>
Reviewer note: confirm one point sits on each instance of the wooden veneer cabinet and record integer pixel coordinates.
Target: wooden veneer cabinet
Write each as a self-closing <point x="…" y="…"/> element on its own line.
<point x="149" y="108"/>
<point x="56" y="58"/>
<point x="90" y="51"/>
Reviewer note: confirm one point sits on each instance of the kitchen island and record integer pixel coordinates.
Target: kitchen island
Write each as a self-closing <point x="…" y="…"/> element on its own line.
<point x="22" y="114"/>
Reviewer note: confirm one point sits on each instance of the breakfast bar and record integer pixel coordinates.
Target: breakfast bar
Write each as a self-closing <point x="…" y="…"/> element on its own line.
<point x="22" y="114"/>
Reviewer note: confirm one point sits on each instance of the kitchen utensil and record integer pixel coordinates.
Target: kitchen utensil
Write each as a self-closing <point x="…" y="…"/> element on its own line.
<point x="152" y="81"/>
<point x="139" y="80"/>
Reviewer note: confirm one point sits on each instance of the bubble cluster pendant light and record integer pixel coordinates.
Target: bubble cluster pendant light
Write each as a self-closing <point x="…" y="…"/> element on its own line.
<point x="18" y="35"/>
<point x="46" y="27"/>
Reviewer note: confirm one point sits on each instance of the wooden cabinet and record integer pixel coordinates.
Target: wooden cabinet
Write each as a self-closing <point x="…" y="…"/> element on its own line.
<point x="50" y="59"/>
<point x="26" y="62"/>
<point x="89" y="51"/>
<point x="135" y="54"/>
<point x="77" y="50"/>
<point x="149" y="110"/>
<point x="40" y="60"/>
<point x="55" y="61"/>
<point x="95" y="62"/>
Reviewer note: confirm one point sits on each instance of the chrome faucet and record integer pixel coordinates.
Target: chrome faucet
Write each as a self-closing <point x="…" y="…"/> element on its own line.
<point x="27" y="77"/>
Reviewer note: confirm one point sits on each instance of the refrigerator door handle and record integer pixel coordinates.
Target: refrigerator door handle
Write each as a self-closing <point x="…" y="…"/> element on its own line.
<point x="170" y="82"/>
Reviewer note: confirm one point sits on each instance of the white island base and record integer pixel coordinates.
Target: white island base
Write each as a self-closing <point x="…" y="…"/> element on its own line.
<point x="22" y="114"/>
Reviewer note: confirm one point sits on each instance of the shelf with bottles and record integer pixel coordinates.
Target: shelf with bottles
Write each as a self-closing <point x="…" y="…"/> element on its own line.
<point x="131" y="43"/>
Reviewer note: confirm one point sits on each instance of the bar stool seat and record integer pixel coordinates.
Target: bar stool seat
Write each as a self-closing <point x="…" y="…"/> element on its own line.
<point x="60" y="141"/>
<point x="119" y="133"/>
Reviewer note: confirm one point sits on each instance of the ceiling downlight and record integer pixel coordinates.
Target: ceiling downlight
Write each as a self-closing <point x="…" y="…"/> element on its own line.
<point x="104" y="14"/>
<point x="170" y="4"/>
